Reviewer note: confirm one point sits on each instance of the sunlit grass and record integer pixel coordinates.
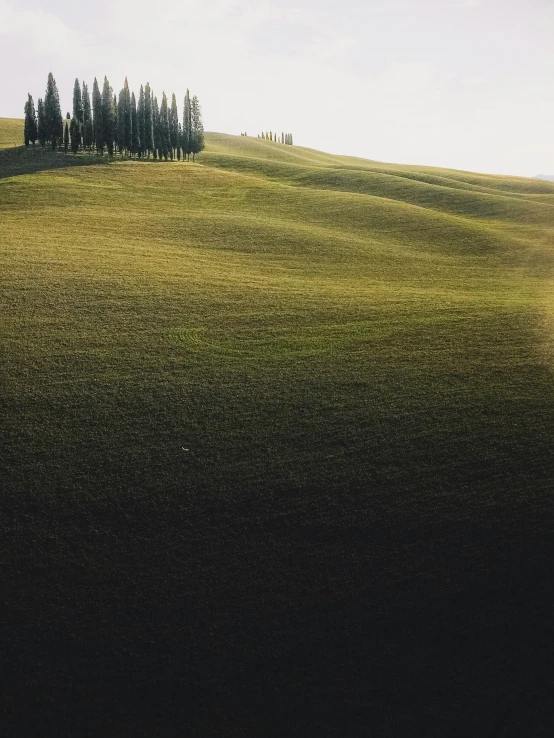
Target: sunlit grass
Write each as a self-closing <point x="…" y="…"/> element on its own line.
<point x="278" y="381"/>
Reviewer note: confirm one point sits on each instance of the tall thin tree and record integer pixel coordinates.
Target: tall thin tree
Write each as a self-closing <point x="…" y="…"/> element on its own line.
<point x="41" y="123"/>
<point x="141" y="122"/>
<point x="148" y="142"/>
<point x="197" y="136"/>
<point x="30" y="130"/>
<point x="135" y="133"/>
<point x="88" y="138"/>
<point x="156" y="128"/>
<point x="108" y="115"/>
<point x="98" y="120"/>
<point x="187" y="127"/>
<point x="164" y="126"/>
<point x="174" y="126"/>
<point x="53" y="113"/>
<point x="121" y="122"/>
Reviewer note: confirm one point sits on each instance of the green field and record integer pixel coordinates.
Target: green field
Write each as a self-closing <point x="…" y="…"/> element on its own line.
<point x="278" y="445"/>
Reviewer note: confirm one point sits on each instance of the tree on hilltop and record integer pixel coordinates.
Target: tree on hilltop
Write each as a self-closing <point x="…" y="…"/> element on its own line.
<point x="98" y="123"/>
<point x="114" y="121"/>
<point x="87" y="133"/>
<point x="52" y="113"/>
<point x="148" y="141"/>
<point x="77" y="104"/>
<point x="174" y="126"/>
<point x="108" y="116"/>
<point x="128" y="132"/>
<point x="164" y="127"/>
<point x="187" y="127"/>
<point x="141" y="122"/>
<point x="197" y="134"/>
<point x="135" y="133"/>
<point x="76" y="125"/>
<point x="41" y="123"/>
<point x="120" y="135"/>
<point x="30" y="129"/>
<point x="157" y="148"/>
<point x="75" y="135"/>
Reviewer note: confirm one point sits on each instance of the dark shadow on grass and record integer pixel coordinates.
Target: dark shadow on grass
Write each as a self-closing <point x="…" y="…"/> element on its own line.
<point x="22" y="160"/>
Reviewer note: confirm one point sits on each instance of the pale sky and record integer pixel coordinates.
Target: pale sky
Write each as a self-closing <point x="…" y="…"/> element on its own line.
<point x="467" y="84"/>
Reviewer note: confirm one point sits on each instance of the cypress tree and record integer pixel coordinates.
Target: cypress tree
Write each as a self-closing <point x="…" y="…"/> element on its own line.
<point x="78" y="105"/>
<point x="75" y="134"/>
<point x="127" y="116"/>
<point x="148" y="141"/>
<point x="164" y="127"/>
<point x="156" y="128"/>
<point x="53" y="113"/>
<point x="66" y="138"/>
<point x="30" y="130"/>
<point x="98" y="123"/>
<point x="88" y="137"/>
<point x="114" y="121"/>
<point x="135" y="135"/>
<point x="179" y="139"/>
<point x="141" y="122"/>
<point x="41" y="123"/>
<point x="197" y="128"/>
<point x="174" y="126"/>
<point x="121" y="122"/>
<point x="107" y="115"/>
<point x="187" y="127"/>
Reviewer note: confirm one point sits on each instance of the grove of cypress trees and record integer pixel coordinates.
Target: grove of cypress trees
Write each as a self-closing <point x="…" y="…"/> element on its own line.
<point x="141" y="121"/>
<point x="41" y="123"/>
<point x="197" y="136"/>
<point x="53" y="113"/>
<point x="88" y="138"/>
<point x="30" y="130"/>
<point x="187" y="127"/>
<point x="135" y="134"/>
<point x="148" y="140"/>
<point x="98" y="122"/>
<point x="107" y="115"/>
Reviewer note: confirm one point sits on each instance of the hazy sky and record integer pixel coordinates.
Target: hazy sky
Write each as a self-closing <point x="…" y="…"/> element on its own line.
<point x="459" y="83"/>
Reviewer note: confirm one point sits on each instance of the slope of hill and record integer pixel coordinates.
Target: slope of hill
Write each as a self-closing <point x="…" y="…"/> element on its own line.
<point x="11" y="132"/>
<point x="278" y="445"/>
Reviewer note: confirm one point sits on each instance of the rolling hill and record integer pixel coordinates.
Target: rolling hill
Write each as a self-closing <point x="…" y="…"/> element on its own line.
<point x="278" y="446"/>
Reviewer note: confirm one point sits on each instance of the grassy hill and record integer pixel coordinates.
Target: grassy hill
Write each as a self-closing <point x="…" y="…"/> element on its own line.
<point x="278" y="447"/>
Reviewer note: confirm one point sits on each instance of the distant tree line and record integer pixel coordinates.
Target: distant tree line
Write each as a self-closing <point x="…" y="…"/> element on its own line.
<point x="284" y="138"/>
<point x="116" y="123"/>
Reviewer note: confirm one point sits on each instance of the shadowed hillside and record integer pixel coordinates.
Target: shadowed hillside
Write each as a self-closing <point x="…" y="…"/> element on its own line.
<point x="278" y="445"/>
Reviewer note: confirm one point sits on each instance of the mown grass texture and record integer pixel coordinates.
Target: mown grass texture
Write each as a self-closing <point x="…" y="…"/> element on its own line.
<point x="278" y="443"/>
